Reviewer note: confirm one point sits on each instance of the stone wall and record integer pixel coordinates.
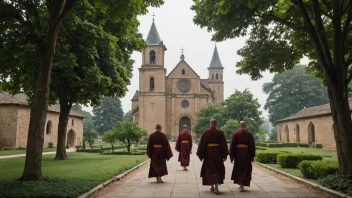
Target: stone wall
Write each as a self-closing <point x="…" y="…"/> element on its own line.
<point x="301" y="131"/>
<point x="8" y="125"/>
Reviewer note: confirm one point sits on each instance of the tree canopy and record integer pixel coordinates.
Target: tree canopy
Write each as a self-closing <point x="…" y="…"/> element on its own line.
<point x="107" y="114"/>
<point x="229" y="128"/>
<point x="206" y="114"/>
<point x="280" y="33"/>
<point x="128" y="132"/>
<point x="292" y="91"/>
<point x="128" y="116"/>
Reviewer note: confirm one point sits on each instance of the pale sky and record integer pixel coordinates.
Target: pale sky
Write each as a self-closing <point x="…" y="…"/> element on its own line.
<point x="174" y="21"/>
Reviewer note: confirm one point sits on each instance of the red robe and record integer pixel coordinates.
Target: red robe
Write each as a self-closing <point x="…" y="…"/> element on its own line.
<point x="158" y="156"/>
<point x="213" y="168"/>
<point x="184" y="148"/>
<point x="242" y="170"/>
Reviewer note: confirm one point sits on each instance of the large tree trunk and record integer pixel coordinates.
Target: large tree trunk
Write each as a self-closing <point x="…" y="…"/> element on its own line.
<point x="341" y="114"/>
<point x="65" y="108"/>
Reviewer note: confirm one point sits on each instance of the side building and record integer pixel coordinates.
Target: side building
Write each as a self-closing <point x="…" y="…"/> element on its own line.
<point x="15" y="117"/>
<point x="312" y="125"/>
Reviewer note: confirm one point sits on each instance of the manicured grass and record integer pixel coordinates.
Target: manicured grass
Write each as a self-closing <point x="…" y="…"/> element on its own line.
<point x="22" y="151"/>
<point x="90" y="166"/>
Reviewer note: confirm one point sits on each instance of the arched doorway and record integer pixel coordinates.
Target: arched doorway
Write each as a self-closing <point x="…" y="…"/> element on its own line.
<point x="311" y="133"/>
<point x="297" y="134"/>
<point x="185" y="121"/>
<point x="287" y="133"/>
<point x="279" y="134"/>
<point x="71" y="137"/>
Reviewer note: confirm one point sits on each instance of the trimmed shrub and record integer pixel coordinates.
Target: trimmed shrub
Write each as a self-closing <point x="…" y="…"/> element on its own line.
<point x="267" y="158"/>
<point x="335" y="182"/>
<point x="261" y="144"/>
<point x="50" y="145"/>
<point x="280" y="145"/>
<point x="260" y="148"/>
<point x="318" y="146"/>
<point x="292" y="160"/>
<point x="318" y="169"/>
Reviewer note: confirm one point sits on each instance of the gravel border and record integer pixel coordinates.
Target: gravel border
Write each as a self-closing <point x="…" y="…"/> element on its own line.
<point x="114" y="179"/>
<point x="314" y="185"/>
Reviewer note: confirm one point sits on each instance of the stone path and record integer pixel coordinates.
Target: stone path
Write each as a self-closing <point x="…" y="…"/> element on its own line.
<point x="188" y="184"/>
<point x="45" y="153"/>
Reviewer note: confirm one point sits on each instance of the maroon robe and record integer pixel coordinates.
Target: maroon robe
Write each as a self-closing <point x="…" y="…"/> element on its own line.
<point x="184" y="148"/>
<point x="158" y="156"/>
<point x="213" y="168"/>
<point x="242" y="170"/>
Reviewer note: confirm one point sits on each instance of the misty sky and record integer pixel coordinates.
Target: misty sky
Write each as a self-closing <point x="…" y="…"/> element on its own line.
<point x="174" y="21"/>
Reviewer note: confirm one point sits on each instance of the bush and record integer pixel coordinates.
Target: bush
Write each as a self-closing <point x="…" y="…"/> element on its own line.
<point x="51" y="145"/>
<point x="47" y="188"/>
<point x="126" y="153"/>
<point x="318" y="146"/>
<point x="335" y="182"/>
<point x="280" y="145"/>
<point x="292" y="160"/>
<point x="318" y="169"/>
<point x="260" y="148"/>
<point x="267" y="158"/>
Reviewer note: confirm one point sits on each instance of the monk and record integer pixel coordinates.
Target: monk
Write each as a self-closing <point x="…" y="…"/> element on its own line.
<point x="158" y="151"/>
<point x="184" y="147"/>
<point x="242" y="151"/>
<point x="213" y="151"/>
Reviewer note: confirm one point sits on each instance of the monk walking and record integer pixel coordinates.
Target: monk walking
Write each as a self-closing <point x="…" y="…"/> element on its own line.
<point x="242" y="151"/>
<point x="184" y="147"/>
<point x="213" y="151"/>
<point x="158" y="151"/>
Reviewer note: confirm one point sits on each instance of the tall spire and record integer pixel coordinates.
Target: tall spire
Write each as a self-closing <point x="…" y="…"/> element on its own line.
<point x="215" y="60"/>
<point x="153" y="36"/>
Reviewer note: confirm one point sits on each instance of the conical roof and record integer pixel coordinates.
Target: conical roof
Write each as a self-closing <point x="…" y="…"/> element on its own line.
<point x="153" y="36"/>
<point x="215" y="60"/>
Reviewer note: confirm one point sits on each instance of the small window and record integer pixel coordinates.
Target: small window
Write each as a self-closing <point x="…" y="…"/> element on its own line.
<point x="217" y="76"/>
<point x="152" y="57"/>
<point x="183" y="72"/>
<point x="48" y="127"/>
<point x="73" y="124"/>
<point x="212" y="76"/>
<point x="151" y="84"/>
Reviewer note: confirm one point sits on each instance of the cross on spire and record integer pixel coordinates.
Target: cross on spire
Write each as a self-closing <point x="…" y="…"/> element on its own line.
<point x="153" y="16"/>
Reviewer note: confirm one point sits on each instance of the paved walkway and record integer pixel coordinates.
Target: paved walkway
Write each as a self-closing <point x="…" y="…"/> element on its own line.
<point x="45" y="153"/>
<point x="188" y="184"/>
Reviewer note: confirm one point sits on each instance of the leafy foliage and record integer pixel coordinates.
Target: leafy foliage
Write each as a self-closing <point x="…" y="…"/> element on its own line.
<point x="292" y="91"/>
<point x="273" y="134"/>
<point x="267" y="157"/>
<point x="128" y="116"/>
<point x="229" y="128"/>
<point x="88" y="123"/>
<point x="90" y="136"/>
<point x="110" y="137"/>
<point x="206" y="114"/>
<point x="107" y="114"/>
<point x="336" y="182"/>
<point x="128" y="132"/>
<point x="318" y="169"/>
<point x="292" y="160"/>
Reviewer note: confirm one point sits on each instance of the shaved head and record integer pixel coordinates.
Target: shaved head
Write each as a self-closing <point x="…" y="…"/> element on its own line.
<point x="242" y="124"/>
<point x="213" y="123"/>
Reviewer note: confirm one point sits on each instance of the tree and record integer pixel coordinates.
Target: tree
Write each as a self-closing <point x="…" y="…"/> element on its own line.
<point x="280" y="34"/>
<point x="206" y="114"/>
<point x="107" y="114"/>
<point x="292" y="91"/>
<point x="128" y="132"/>
<point x="267" y="126"/>
<point x="111" y="137"/>
<point x="90" y="136"/>
<point x="25" y="24"/>
<point x="242" y="106"/>
<point x="273" y="134"/>
<point x="230" y="127"/>
<point x="88" y="123"/>
<point x="128" y="116"/>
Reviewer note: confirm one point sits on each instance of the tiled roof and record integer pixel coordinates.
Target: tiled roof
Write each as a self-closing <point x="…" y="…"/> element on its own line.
<point x="312" y="112"/>
<point x="135" y="110"/>
<point x="21" y="99"/>
<point x="136" y="96"/>
<point x="153" y="36"/>
<point x="215" y="60"/>
<point x="205" y="84"/>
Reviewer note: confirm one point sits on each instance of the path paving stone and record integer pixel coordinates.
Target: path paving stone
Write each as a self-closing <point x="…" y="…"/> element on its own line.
<point x="181" y="183"/>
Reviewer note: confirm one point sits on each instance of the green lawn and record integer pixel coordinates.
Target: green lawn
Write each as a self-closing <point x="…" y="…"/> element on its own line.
<point x="90" y="166"/>
<point x="22" y="151"/>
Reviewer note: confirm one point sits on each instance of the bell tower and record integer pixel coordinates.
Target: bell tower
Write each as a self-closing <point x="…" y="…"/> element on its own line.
<point x="216" y="81"/>
<point x="152" y="83"/>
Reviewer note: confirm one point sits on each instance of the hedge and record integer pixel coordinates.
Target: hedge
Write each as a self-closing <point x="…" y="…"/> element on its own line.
<point x="292" y="160"/>
<point x="260" y="148"/>
<point x="126" y="153"/>
<point x="280" y="145"/>
<point x="318" y="146"/>
<point x="267" y="158"/>
<point x="335" y="182"/>
<point x="318" y="169"/>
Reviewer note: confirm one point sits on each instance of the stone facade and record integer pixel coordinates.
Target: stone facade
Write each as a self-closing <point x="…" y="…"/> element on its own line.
<point x="14" y="123"/>
<point x="175" y="99"/>
<point x="311" y="125"/>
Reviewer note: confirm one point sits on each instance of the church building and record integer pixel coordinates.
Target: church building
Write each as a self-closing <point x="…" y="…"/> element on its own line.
<point x="173" y="99"/>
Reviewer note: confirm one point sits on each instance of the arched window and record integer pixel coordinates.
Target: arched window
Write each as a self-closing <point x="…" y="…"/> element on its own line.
<point x="151" y="84"/>
<point x="212" y="76"/>
<point x="73" y="124"/>
<point x="183" y="72"/>
<point x="217" y="76"/>
<point x="287" y="134"/>
<point x="311" y="133"/>
<point x="48" y="127"/>
<point x="297" y="134"/>
<point x="152" y="57"/>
